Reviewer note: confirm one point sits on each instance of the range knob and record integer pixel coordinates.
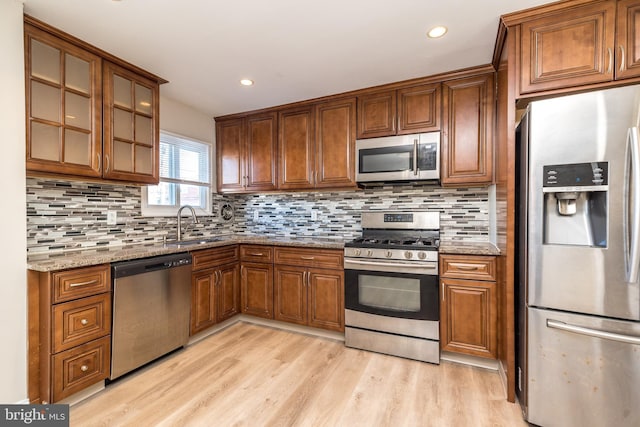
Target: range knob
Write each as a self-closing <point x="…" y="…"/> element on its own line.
<point x="356" y="252"/>
<point x="389" y="254"/>
<point x="369" y="252"/>
<point x="422" y="255"/>
<point x="408" y="254"/>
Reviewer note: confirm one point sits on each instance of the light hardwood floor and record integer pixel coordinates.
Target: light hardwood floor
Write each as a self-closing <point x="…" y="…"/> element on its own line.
<point x="251" y="375"/>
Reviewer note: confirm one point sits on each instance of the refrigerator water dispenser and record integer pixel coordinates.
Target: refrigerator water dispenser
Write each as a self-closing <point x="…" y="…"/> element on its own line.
<point x="575" y="204"/>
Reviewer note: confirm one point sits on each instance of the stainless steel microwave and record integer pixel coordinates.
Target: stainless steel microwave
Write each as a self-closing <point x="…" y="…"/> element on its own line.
<point x="402" y="158"/>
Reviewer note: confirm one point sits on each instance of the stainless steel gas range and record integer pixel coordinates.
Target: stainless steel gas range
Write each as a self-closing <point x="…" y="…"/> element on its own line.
<point x="391" y="285"/>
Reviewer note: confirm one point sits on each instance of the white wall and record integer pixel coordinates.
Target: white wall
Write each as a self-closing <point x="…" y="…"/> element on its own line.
<point x="13" y="228"/>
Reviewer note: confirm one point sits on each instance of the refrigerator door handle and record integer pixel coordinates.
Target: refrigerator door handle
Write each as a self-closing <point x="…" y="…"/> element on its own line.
<point x="627" y="339"/>
<point x="632" y="234"/>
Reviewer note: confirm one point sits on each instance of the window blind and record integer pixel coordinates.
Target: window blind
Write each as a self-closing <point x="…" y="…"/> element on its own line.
<point x="183" y="161"/>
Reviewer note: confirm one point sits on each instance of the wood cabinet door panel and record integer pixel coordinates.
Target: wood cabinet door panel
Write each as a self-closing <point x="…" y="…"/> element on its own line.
<point x="203" y="300"/>
<point x="80" y="282"/>
<point x="261" y="152"/>
<point x="376" y="114"/>
<point x="228" y="292"/>
<point x="296" y="144"/>
<point x="230" y="155"/>
<point x="290" y="294"/>
<point x="80" y="367"/>
<point x="335" y="143"/>
<point x="77" y="322"/>
<point x="326" y="299"/>
<point x="571" y="48"/>
<point x="469" y="317"/>
<point x="257" y="289"/>
<point x="419" y="109"/>
<point x="628" y="39"/>
<point x="467" y="140"/>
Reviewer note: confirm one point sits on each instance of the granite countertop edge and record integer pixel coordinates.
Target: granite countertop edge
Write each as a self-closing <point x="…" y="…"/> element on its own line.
<point x="48" y="262"/>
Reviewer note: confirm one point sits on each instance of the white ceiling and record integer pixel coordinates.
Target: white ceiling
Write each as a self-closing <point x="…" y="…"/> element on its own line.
<point x="293" y="49"/>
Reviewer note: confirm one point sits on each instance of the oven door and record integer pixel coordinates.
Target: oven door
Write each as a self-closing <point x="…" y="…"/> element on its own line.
<point x="398" y="158"/>
<point x="394" y="290"/>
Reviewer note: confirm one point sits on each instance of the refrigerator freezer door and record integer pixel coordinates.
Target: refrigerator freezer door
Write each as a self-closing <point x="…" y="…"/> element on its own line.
<point x="584" y="128"/>
<point x="583" y="370"/>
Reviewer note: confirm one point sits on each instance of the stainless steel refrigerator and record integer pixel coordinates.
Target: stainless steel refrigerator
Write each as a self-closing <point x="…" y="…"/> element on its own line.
<point x="578" y="220"/>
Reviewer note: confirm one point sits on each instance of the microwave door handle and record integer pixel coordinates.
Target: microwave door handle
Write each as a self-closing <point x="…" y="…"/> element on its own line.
<point x="631" y="219"/>
<point x="415" y="157"/>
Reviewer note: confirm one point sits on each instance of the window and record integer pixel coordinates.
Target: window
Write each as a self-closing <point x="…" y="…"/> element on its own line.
<point x="185" y="177"/>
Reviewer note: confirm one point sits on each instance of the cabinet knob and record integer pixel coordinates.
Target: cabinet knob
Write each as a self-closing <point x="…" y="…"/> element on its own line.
<point x="84" y="368"/>
<point x="84" y="321"/>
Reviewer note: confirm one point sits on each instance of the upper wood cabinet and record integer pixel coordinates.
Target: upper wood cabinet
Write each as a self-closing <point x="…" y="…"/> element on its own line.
<point x="581" y="45"/>
<point x="296" y="142"/>
<point x="246" y="153"/>
<point x="335" y="144"/>
<point x="64" y="106"/>
<point x="397" y="112"/>
<point x="467" y="130"/>
<point x="89" y="114"/>
<point x="316" y="146"/>
<point x="131" y="128"/>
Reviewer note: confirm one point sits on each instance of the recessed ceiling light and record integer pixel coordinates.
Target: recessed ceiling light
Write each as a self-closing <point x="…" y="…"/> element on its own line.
<point x="436" y="32"/>
<point x="246" y="82"/>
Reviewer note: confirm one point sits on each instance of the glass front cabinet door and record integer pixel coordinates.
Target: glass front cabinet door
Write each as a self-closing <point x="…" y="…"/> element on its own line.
<point x="63" y="100"/>
<point x="130" y="115"/>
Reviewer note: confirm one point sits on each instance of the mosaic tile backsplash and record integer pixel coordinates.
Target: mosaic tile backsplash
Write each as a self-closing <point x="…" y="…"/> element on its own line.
<point x="67" y="215"/>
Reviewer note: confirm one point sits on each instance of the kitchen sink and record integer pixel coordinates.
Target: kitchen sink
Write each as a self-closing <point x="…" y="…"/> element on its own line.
<point x="192" y="242"/>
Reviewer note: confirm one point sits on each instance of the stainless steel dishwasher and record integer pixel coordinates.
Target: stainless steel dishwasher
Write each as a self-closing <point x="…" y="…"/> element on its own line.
<point x="151" y="309"/>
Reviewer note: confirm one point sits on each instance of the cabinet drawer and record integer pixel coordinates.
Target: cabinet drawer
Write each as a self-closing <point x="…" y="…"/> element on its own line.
<point x="208" y="258"/>
<point x="75" y="369"/>
<point x="80" y="321"/>
<point x="328" y="258"/>
<point x="474" y="267"/>
<point x="256" y="253"/>
<point x="80" y="282"/>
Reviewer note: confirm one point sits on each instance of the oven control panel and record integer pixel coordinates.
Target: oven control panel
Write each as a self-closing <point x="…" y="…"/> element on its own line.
<point x="392" y="254"/>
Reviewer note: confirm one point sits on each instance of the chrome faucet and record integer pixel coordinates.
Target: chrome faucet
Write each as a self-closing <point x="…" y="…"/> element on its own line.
<point x="193" y="215"/>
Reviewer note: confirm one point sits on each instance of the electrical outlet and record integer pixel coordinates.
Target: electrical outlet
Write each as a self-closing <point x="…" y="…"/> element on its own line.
<point x="256" y="215"/>
<point x="112" y="217"/>
<point x="314" y="215"/>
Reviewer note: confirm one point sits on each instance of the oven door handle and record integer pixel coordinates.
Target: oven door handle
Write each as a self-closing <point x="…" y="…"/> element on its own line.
<point x="392" y="264"/>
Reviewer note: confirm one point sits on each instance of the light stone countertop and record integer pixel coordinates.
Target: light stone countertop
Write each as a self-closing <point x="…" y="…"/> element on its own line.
<point x="468" y="248"/>
<point x="103" y="255"/>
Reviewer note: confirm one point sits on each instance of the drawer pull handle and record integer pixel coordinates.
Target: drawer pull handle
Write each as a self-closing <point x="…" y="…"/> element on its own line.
<point x="84" y="321"/>
<point x="467" y="267"/>
<point x="84" y="368"/>
<point x="90" y="282"/>
<point x="310" y="258"/>
<point x="255" y="254"/>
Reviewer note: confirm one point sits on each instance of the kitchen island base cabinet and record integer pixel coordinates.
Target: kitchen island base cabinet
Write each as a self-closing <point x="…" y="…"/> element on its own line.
<point x="305" y="294"/>
<point x="468" y="307"/>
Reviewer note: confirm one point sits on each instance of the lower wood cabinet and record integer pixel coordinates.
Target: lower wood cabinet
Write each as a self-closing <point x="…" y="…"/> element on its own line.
<point x="69" y="331"/>
<point x="469" y="305"/>
<point x="257" y="289"/>
<point x="308" y="295"/>
<point x="215" y="287"/>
